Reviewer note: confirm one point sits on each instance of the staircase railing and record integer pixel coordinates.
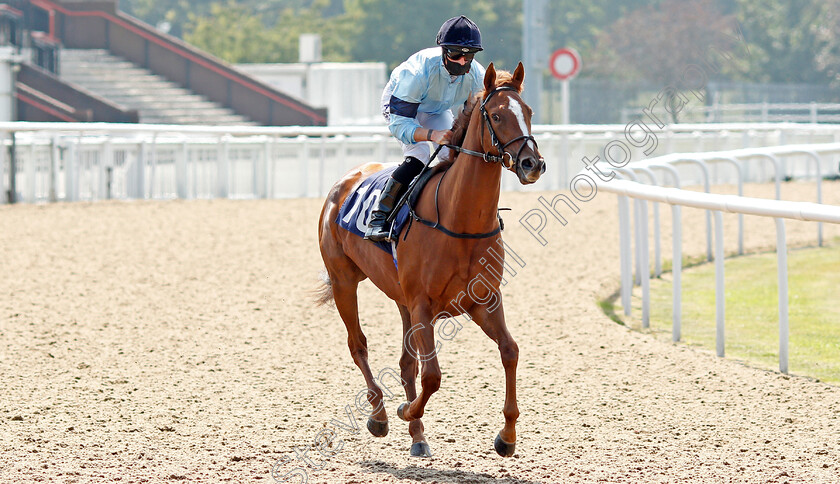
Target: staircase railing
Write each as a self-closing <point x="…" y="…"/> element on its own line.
<point x="45" y="97"/>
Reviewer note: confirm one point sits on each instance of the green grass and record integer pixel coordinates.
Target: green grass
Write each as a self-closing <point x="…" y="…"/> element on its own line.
<point x="752" y="321"/>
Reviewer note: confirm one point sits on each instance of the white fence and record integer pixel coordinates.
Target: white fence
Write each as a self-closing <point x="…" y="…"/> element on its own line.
<point x="715" y="205"/>
<point x="94" y="161"/>
<point x="755" y="113"/>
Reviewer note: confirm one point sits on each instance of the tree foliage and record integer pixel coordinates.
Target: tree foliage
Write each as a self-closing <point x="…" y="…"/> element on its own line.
<point x="234" y="33"/>
<point x="390" y="30"/>
<point x="827" y="59"/>
<point x="579" y="24"/>
<point x="658" y="42"/>
<point x="787" y="40"/>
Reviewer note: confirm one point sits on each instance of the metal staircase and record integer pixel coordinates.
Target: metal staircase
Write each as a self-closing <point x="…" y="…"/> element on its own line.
<point x="157" y="100"/>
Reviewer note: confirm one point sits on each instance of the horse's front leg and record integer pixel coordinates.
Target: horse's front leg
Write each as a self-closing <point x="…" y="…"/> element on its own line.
<point x="419" y="344"/>
<point x="408" y="371"/>
<point x="492" y="322"/>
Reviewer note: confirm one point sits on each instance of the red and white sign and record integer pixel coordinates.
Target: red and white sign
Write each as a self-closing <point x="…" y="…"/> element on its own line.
<point x="564" y="63"/>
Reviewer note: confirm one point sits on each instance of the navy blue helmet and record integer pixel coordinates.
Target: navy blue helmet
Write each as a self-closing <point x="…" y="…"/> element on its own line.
<point x="460" y="33"/>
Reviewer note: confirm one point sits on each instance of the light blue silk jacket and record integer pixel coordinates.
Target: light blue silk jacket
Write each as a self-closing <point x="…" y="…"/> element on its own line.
<point x="422" y="84"/>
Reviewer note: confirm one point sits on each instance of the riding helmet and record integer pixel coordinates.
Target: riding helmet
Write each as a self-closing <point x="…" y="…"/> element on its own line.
<point x="460" y="32"/>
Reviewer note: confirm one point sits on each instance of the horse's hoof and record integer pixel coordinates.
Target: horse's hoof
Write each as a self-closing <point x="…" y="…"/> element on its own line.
<point x="420" y="449"/>
<point x="377" y="428"/>
<point x="401" y="411"/>
<point x="503" y="448"/>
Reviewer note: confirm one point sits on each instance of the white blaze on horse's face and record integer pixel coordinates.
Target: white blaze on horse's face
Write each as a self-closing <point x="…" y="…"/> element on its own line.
<point x="516" y="108"/>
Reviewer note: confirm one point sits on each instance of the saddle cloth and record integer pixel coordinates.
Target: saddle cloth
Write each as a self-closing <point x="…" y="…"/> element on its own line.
<point x="354" y="214"/>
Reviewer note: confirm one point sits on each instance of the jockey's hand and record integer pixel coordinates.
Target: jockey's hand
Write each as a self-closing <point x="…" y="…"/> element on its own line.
<point x="441" y="136"/>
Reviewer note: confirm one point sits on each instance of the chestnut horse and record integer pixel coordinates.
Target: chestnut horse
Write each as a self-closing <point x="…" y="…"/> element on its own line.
<point x="440" y="264"/>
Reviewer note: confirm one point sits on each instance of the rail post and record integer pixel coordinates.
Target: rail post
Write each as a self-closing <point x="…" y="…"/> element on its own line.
<point x="626" y="253"/>
<point x="12" y="195"/>
<point x="55" y="155"/>
<point x="781" y="264"/>
<point x="644" y="262"/>
<point x="720" y="295"/>
<point x="181" y="172"/>
<point x="676" y="272"/>
<point x="223" y="168"/>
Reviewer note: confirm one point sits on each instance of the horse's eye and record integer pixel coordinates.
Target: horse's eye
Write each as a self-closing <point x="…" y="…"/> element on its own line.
<point x="496" y="118"/>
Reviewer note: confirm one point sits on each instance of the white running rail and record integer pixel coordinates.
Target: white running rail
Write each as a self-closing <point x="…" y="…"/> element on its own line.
<point x="94" y="161"/>
<point x="757" y="112"/>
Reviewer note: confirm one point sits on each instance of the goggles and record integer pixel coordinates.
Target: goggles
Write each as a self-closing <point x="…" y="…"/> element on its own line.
<point x="455" y="53"/>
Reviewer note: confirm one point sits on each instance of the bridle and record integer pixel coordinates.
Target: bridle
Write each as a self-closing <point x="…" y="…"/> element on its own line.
<point x="505" y="158"/>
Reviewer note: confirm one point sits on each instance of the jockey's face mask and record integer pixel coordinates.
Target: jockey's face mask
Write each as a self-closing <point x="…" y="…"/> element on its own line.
<point x="453" y="54"/>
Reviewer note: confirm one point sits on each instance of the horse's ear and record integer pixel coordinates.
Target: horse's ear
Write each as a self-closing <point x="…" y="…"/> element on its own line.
<point x="518" y="77"/>
<point x="490" y="78"/>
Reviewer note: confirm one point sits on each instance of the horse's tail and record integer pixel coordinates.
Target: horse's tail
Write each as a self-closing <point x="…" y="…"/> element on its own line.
<point x="324" y="293"/>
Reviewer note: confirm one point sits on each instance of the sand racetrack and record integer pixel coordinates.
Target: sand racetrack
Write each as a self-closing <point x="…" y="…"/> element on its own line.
<point x="177" y="341"/>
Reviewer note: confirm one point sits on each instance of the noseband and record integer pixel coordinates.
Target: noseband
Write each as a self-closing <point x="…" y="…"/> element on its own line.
<point x="505" y="158"/>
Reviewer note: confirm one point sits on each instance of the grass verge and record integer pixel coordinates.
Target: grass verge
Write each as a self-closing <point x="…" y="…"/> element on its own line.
<point x="752" y="332"/>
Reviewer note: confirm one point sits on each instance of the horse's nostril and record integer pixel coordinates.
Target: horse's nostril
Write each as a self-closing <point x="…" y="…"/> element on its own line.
<point x="528" y="164"/>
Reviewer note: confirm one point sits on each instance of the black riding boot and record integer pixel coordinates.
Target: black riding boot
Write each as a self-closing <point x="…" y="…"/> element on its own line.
<point x="377" y="230"/>
<point x="402" y="176"/>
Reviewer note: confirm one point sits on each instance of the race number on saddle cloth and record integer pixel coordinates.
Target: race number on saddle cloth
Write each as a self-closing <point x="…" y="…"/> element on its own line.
<point x="354" y="214"/>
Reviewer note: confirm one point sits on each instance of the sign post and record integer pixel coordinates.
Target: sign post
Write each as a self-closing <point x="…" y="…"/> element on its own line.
<point x="564" y="64"/>
<point x="535" y="53"/>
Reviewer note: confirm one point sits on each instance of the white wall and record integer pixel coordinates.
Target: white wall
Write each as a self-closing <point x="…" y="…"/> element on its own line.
<point x="8" y="61"/>
<point x="350" y="91"/>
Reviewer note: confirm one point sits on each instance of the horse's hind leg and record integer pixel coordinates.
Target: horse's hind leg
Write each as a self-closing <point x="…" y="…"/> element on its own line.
<point x="346" y="301"/>
<point x="408" y="372"/>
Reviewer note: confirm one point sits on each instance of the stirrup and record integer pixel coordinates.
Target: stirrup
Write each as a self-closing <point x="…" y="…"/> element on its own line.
<point x="378" y="229"/>
<point x="377" y="233"/>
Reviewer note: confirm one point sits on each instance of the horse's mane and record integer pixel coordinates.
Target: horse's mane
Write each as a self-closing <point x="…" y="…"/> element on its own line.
<point x="459" y="128"/>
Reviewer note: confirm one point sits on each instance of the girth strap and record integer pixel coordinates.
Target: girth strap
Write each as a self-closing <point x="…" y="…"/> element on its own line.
<point x="437" y="226"/>
<point x="457" y="235"/>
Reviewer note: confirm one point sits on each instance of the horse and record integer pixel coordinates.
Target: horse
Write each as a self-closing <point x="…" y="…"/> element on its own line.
<point x="445" y="269"/>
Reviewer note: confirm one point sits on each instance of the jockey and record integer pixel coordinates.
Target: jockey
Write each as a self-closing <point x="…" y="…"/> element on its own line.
<point x="417" y="103"/>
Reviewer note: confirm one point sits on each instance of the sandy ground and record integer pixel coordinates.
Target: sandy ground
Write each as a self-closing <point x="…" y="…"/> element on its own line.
<point x="177" y="341"/>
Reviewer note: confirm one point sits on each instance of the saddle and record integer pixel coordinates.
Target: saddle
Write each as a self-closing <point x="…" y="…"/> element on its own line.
<point x="416" y="189"/>
<point x="354" y="214"/>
